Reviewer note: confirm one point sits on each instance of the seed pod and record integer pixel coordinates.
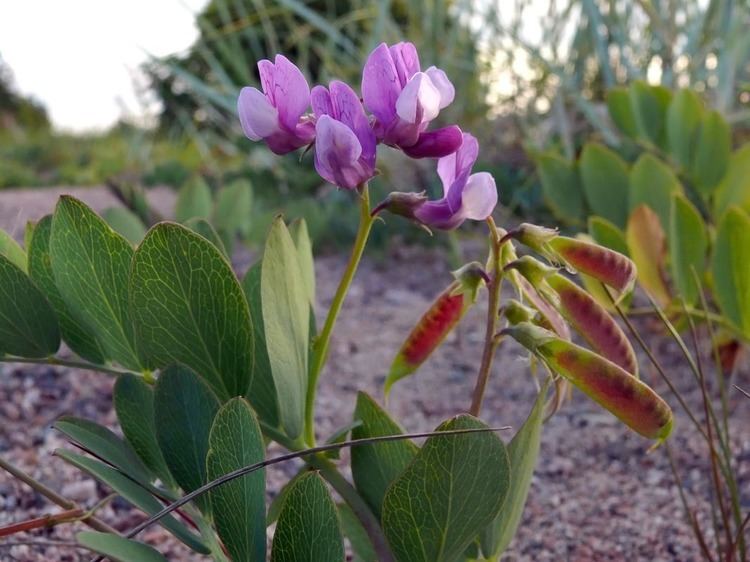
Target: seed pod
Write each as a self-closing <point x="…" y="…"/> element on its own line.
<point x="608" y="266"/>
<point x="550" y="318"/>
<point x="630" y="400"/>
<point x="594" y="323"/>
<point x="435" y="324"/>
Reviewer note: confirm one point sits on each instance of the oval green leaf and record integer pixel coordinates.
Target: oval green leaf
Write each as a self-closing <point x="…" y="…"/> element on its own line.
<point x="91" y="265"/>
<point x="194" y="200"/>
<point x="75" y="333"/>
<point x="13" y="251"/>
<point x="453" y="489"/>
<point x="605" y="182"/>
<point x="286" y="319"/>
<point x="118" y="548"/>
<point x="189" y="308"/>
<point x="713" y="146"/>
<point x="652" y="183"/>
<point x="735" y="187"/>
<point x="239" y="506"/>
<point x="376" y="466"/>
<point x="28" y="326"/>
<point x="683" y="121"/>
<point x="688" y="244"/>
<point x="126" y="222"/>
<point x="730" y="266"/>
<point x="561" y="186"/>
<point x="308" y="529"/>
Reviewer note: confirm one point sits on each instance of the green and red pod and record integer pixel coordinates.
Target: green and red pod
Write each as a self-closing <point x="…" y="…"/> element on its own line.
<point x="627" y="398"/>
<point x="609" y="267"/>
<point x="594" y="323"/>
<point x="436" y="323"/>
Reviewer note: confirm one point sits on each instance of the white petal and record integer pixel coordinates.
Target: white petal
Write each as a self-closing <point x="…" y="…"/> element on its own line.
<point x="419" y="101"/>
<point x="258" y="117"/>
<point x="479" y="196"/>
<point x="443" y="85"/>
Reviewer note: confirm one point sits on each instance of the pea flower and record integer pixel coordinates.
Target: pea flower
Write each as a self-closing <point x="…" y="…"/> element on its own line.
<point x="345" y="143"/>
<point x="465" y="195"/>
<point x="404" y="100"/>
<point x="276" y="115"/>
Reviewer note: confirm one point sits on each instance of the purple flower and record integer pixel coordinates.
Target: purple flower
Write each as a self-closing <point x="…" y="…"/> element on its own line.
<point x="404" y="100"/>
<point x="465" y="195"/>
<point x="345" y="143"/>
<point x="276" y="114"/>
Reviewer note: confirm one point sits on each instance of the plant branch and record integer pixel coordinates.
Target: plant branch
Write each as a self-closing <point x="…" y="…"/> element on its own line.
<point x="54" y="497"/>
<point x="57" y="362"/>
<point x="490" y="342"/>
<point x="289" y="456"/>
<point x="320" y="346"/>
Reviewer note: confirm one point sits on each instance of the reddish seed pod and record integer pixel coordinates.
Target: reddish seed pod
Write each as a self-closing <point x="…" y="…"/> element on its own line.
<point x="428" y="334"/>
<point x="608" y="266"/>
<point x="594" y="323"/>
<point x="548" y="313"/>
<point x="630" y="400"/>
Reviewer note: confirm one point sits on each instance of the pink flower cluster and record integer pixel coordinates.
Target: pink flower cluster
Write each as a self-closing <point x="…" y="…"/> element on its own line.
<point x="402" y="100"/>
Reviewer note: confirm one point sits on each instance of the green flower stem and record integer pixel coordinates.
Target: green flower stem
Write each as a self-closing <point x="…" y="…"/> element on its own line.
<point x="490" y="341"/>
<point x="54" y="497"/>
<point x="55" y="361"/>
<point x="320" y="346"/>
<point x="359" y="507"/>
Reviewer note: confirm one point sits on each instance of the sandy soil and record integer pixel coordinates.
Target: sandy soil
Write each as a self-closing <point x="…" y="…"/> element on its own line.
<point x="596" y="494"/>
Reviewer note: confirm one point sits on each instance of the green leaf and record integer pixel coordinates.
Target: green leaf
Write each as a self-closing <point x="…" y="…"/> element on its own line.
<point x="376" y="466"/>
<point x="194" y="200"/>
<point x="308" y="529"/>
<point x="234" y="205"/>
<point x="561" y="186"/>
<point x="261" y="392"/>
<point x="523" y="451"/>
<point x="301" y="237"/>
<point x="605" y="182"/>
<point x="126" y="222"/>
<point x="453" y="489"/>
<point x="239" y="506"/>
<point x="75" y="333"/>
<point x="648" y="249"/>
<point x="653" y="183"/>
<point x="621" y="111"/>
<point x="91" y="265"/>
<point x="713" y="146"/>
<point x="102" y="443"/>
<point x="117" y="548"/>
<point x="12" y="250"/>
<point x="204" y="228"/>
<point x="189" y="308"/>
<point x="688" y="244"/>
<point x="734" y="189"/>
<point x="28" y="233"/>
<point x="184" y="408"/>
<point x="133" y="493"/>
<point x="731" y="272"/>
<point x="357" y="535"/>
<point x="607" y="234"/>
<point x="28" y="327"/>
<point x="134" y="404"/>
<point x="286" y="311"/>
<point x="650" y="107"/>
<point x="683" y="121"/>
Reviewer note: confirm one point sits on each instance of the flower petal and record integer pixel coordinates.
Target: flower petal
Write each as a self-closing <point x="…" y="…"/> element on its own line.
<point x="444" y="86"/>
<point x="258" y="117"/>
<point x="438" y="214"/>
<point x="291" y="92"/>
<point x="479" y="196"/>
<point x="380" y="85"/>
<point x="337" y="154"/>
<point x="348" y="109"/>
<point x="406" y="61"/>
<point x="436" y="144"/>
<point x="321" y="101"/>
<point x="419" y="102"/>
<point x="454" y="169"/>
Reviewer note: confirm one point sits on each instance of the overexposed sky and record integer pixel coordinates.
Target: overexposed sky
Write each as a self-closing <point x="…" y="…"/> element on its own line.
<point x="78" y="56"/>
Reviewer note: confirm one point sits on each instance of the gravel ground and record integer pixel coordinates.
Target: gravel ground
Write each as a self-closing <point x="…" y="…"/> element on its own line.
<point x="596" y="494"/>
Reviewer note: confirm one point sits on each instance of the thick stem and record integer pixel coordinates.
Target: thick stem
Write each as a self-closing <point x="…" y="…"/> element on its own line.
<point x="53" y="496"/>
<point x="57" y="362"/>
<point x="490" y="342"/>
<point x="320" y="347"/>
<point x="358" y="505"/>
